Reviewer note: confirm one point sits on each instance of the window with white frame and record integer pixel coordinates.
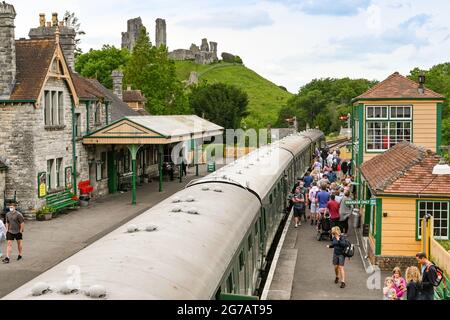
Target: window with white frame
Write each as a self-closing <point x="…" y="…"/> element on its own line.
<point x="440" y="212"/>
<point x="381" y="132"/>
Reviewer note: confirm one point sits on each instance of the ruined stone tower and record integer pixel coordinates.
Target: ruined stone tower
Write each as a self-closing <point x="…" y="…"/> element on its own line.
<point x="66" y="38"/>
<point x="7" y="50"/>
<point x="161" y="35"/>
<point x="133" y="29"/>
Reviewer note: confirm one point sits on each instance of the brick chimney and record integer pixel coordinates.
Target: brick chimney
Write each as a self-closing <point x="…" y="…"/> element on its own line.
<point x="7" y="50"/>
<point x="66" y="38"/>
<point x="117" y="77"/>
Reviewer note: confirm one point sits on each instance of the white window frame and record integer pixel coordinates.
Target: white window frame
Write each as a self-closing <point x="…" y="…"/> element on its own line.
<point x="400" y="106"/>
<point x="387" y="120"/>
<point x="374" y="107"/>
<point x="430" y="208"/>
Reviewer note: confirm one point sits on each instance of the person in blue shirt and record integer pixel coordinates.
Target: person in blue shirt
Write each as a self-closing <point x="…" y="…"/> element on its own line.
<point x="307" y="179"/>
<point x="332" y="176"/>
<point x="323" y="196"/>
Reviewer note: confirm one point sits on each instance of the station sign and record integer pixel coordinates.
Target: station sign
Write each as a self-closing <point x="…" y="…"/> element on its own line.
<point x="371" y="202"/>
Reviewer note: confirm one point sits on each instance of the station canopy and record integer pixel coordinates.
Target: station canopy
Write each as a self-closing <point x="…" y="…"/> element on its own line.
<point x="139" y="130"/>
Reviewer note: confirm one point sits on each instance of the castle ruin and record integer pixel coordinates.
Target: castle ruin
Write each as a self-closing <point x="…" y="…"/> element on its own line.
<point x="203" y="54"/>
<point x="130" y="37"/>
<point x="206" y="53"/>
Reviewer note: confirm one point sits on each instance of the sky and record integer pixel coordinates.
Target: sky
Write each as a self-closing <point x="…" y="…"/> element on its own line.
<point x="289" y="42"/>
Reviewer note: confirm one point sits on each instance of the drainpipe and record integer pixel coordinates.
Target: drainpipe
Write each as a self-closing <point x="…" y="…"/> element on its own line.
<point x="88" y="106"/>
<point x="74" y="150"/>
<point x="107" y="111"/>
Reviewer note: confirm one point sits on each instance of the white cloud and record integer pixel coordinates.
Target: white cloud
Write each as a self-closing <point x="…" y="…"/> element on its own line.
<point x="281" y="40"/>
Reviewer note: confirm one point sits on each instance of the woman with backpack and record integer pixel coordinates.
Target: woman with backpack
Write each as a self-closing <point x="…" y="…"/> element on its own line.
<point x="339" y="244"/>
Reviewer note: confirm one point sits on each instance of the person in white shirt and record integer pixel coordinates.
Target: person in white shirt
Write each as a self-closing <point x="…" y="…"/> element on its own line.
<point x="314" y="205"/>
<point x="2" y="236"/>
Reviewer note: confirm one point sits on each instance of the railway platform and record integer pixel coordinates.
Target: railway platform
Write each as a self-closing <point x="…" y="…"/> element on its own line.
<point x="50" y="242"/>
<point x="302" y="270"/>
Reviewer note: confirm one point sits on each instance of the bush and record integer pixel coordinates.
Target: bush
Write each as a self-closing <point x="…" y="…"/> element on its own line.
<point x="44" y="211"/>
<point x="238" y="59"/>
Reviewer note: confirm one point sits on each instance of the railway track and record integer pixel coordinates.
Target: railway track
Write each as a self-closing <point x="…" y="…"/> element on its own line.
<point x="338" y="143"/>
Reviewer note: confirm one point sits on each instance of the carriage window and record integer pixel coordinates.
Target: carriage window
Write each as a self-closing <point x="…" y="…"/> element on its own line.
<point x="241" y="260"/>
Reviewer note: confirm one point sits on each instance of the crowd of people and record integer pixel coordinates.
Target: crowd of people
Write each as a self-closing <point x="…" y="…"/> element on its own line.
<point x="416" y="285"/>
<point x="326" y="190"/>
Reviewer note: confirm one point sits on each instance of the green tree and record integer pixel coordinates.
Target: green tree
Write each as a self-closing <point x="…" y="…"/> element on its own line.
<point x="220" y="103"/>
<point x="320" y="103"/>
<point x="100" y="63"/>
<point x="150" y="70"/>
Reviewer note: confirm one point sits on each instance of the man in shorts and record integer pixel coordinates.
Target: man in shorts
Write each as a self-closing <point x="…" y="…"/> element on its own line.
<point x="14" y="229"/>
<point x="299" y="206"/>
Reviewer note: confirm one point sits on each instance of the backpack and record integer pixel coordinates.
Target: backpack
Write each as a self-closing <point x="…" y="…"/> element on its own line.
<point x="439" y="275"/>
<point x="349" y="249"/>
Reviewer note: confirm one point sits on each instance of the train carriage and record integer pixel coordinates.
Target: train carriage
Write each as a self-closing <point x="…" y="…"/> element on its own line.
<point x="212" y="239"/>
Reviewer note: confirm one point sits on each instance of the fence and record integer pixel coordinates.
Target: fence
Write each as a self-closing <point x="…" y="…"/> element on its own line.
<point x="439" y="255"/>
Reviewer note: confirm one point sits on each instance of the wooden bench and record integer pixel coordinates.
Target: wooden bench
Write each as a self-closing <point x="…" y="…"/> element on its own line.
<point x="61" y="200"/>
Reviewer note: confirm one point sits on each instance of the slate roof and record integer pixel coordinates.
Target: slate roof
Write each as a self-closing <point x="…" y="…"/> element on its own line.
<point x="33" y="58"/>
<point x="397" y="86"/>
<point x="405" y="169"/>
<point x="85" y="89"/>
<point x="118" y="108"/>
<point x="176" y="125"/>
<point x="133" y="96"/>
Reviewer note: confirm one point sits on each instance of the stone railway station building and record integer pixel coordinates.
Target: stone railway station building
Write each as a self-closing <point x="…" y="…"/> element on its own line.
<point x="46" y="110"/>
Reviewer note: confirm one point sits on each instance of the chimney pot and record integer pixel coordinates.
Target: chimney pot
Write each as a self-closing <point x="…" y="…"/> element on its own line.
<point x="55" y="19"/>
<point x="42" y="20"/>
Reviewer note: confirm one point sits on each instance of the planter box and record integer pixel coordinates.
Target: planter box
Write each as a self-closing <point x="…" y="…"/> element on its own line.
<point x="45" y="217"/>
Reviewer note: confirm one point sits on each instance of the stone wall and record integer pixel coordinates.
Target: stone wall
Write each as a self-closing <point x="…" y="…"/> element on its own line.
<point x="17" y="146"/>
<point x="203" y="54"/>
<point x="131" y="35"/>
<point x="2" y="187"/>
<point x="52" y="143"/>
<point x="182" y="54"/>
<point x="7" y="50"/>
<point x="160" y="32"/>
<point x="388" y="263"/>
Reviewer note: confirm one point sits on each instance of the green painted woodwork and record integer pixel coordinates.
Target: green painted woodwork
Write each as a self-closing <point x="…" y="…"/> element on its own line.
<point x="379" y="214"/>
<point x="88" y="107"/>
<point x="231" y="296"/>
<point x="74" y="149"/>
<point x="361" y="134"/>
<point x="397" y="99"/>
<point x="161" y="155"/>
<point x="112" y="172"/>
<point x="107" y="112"/>
<point x="60" y="200"/>
<point x="134" y="148"/>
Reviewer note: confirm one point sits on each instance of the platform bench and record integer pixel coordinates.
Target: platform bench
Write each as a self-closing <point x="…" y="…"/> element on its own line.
<point x="61" y="200"/>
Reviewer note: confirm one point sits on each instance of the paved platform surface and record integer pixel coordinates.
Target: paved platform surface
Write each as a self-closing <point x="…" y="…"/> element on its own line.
<point x="304" y="270"/>
<point x="46" y="243"/>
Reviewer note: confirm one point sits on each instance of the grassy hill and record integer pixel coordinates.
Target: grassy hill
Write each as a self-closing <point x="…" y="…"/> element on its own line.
<point x="265" y="98"/>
